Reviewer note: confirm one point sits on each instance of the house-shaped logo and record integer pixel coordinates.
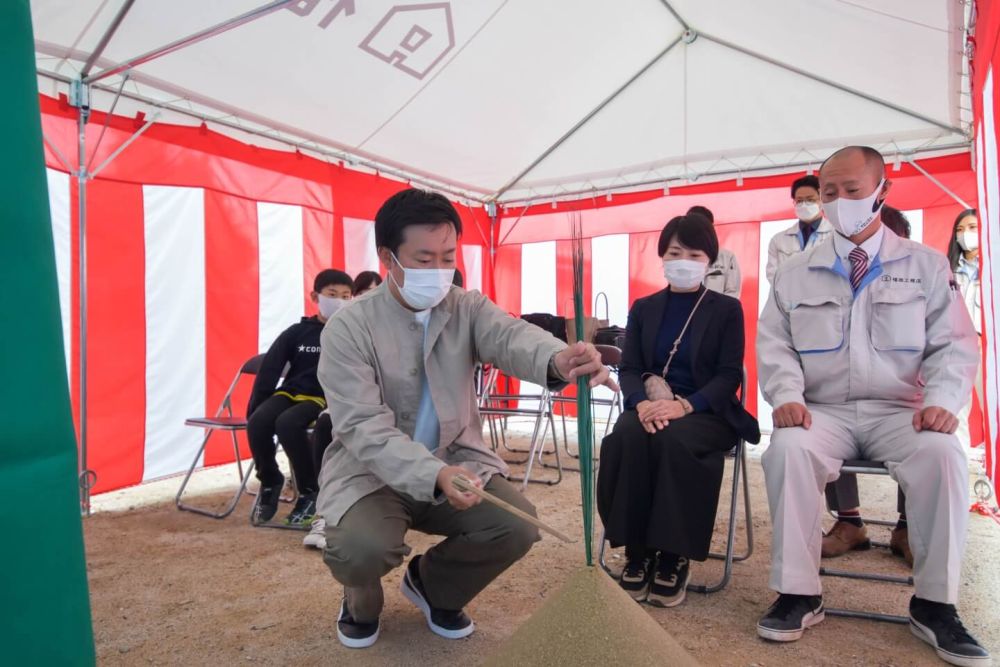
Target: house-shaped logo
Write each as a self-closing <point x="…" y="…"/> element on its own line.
<point x="413" y="38"/>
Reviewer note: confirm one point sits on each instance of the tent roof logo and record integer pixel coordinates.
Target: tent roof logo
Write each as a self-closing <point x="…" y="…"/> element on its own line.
<point x="413" y="38"/>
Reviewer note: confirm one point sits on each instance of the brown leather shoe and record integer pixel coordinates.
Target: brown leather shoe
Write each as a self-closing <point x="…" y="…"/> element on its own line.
<point x="899" y="544"/>
<point x="844" y="537"/>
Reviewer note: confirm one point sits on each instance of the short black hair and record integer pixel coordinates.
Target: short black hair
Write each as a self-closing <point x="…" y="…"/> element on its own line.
<point x="693" y="231"/>
<point x="458" y="280"/>
<point x="894" y="219"/>
<point x="807" y="181"/>
<point x="412" y="207"/>
<point x="872" y="157"/>
<point x="704" y="212"/>
<point x="328" y="277"/>
<point x="365" y="280"/>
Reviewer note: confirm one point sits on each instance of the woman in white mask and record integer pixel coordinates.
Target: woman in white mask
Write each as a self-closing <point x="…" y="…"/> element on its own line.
<point x="963" y="254"/>
<point x="681" y="370"/>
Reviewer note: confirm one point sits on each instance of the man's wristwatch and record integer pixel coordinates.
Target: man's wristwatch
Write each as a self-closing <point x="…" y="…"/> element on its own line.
<point x="688" y="408"/>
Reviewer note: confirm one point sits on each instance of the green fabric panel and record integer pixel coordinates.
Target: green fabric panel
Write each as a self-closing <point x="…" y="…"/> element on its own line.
<point x="44" y="607"/>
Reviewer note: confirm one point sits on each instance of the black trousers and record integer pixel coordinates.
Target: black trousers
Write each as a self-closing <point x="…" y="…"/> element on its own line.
<point x="289" y="420"/>
<point x="322" y="437"/>
<point x="843" y="494"/>
<point x="661" y="491"/>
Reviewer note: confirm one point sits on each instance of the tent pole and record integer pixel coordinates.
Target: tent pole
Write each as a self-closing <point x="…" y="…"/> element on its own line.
<point x="199" y="36"/>
<point x="583" y="121"/>
<point x="833" y="84"/>
<point x="106" y="37"/>
<point x="312" y="146"/>
<point x="680" y="19"/>
<point x="125" y="144"/>
<point x="944" y="188"/>
<point x="568" y="195"/>
<point x="80" y="97"/>
<point x="491" y="210"/>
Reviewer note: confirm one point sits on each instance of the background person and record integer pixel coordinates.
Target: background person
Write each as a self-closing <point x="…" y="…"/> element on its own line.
<point x="288" y="411"/>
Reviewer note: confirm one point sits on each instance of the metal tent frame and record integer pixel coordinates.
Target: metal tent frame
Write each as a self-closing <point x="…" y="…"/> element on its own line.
<point x="90" y="80"/>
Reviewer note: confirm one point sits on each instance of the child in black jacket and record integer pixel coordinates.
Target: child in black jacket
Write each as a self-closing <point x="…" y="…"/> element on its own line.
<point x="288" y="411"/>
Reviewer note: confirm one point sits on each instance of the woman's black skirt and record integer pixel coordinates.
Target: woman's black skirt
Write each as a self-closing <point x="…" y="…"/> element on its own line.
<point x="661" y="491"/>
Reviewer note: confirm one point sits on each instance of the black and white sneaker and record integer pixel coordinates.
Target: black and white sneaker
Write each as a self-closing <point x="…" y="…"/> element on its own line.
<point x="303" y="513"/>
<point x="789" y="617"/>
<point x="938" y="625"/>
<point x="669" y="585"/>
<point x="266" y="504"/>
<point x="442" y="622"/>
<point x="635" y="578"/>
<point x="353" y="634"/>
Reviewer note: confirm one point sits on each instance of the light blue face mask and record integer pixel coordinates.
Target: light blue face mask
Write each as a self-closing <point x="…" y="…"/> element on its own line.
<point x="423" y="288"/>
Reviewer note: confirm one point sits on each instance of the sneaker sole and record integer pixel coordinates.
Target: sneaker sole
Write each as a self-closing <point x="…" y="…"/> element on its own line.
<point x="350" y="642"/>
<point x="411" y="594"/>
<point x="665" y="602"/>
<point x="808" y="621"/>
<point x="639" y="595"/>
<point x="925" y="633"/>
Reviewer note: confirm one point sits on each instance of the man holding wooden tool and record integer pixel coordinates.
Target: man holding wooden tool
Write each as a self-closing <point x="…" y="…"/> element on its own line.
<point x="397" y="369"/>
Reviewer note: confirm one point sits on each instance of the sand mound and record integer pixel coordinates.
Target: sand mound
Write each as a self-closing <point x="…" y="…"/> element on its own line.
<point x="590" y="621"/>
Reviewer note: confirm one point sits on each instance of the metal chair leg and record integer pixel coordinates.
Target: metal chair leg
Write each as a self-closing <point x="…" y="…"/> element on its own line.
<point x="244" y="478"/>
<point x="537" y="443"/>
<point x="727" y="557"/>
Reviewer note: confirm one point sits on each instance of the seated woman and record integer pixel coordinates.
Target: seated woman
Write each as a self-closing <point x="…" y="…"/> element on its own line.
<point x="661" y="467"/>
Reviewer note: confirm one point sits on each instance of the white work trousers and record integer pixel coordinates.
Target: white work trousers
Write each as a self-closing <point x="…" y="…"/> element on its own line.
<point x="931" y="468"/>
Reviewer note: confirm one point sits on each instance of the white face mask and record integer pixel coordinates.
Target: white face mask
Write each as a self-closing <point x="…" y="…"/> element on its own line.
<point x="807" y="210"/>
<point x="329" y="305"/>
<point x="423" y="288"/>
<point x="969" y="240"/>
<point x="684" y="273"/>
<point x="850" y="217"/>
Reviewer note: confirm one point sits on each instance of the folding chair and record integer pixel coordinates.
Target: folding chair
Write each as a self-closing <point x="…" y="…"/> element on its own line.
<point x="728" y="556"/>
<point x="491" y="407"/>
<point x="864" y="467"/>
<point x="224" y="420"/>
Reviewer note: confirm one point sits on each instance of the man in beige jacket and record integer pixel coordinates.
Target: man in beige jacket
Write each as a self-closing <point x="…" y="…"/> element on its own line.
<point x="397" y="369"/>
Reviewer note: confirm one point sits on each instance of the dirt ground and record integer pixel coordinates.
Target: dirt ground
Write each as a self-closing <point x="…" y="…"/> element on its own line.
<point x="174" y="588"/>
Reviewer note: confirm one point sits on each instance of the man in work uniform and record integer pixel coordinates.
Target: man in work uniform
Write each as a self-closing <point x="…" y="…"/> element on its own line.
<point x="810" y="231"/>
<point x="723" y="276"/>
<point x="864" y="351"/>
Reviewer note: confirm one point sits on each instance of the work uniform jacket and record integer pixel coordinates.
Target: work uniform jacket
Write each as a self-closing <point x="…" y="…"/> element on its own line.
<point x="904" y="337"/>
<point x="723" y="276"/>
<point x="371" y="368"/>
<point x="788" y="243"/>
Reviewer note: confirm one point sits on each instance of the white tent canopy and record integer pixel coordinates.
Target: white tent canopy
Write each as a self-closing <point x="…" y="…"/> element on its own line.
<point x="527" y="100"/>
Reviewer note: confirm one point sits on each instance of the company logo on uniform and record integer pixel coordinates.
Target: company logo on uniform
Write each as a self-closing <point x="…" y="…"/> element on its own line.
<point x="413" y="38"/>
<point x="309" y="348"/>
<point x="909" y="281"/>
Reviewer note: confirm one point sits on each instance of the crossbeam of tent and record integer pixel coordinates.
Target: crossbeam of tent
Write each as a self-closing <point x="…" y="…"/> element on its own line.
<point x="689" y="36"/>
<point x="177" y="45"/>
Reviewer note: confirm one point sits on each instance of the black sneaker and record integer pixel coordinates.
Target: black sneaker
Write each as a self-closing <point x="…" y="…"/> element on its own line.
<point x="669" y="585"/>
<point x="303" y="513"/>
<point x="789" y="617"/>
<point x="266" y="505"/>
<point x="635" y="578"/>
<point x="353" y="634"/>
<point x="938" y="625"/>
<point x="442" y="622"/>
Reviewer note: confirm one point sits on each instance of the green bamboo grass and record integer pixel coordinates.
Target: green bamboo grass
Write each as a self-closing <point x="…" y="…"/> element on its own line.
<point x="584" y="416"/>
